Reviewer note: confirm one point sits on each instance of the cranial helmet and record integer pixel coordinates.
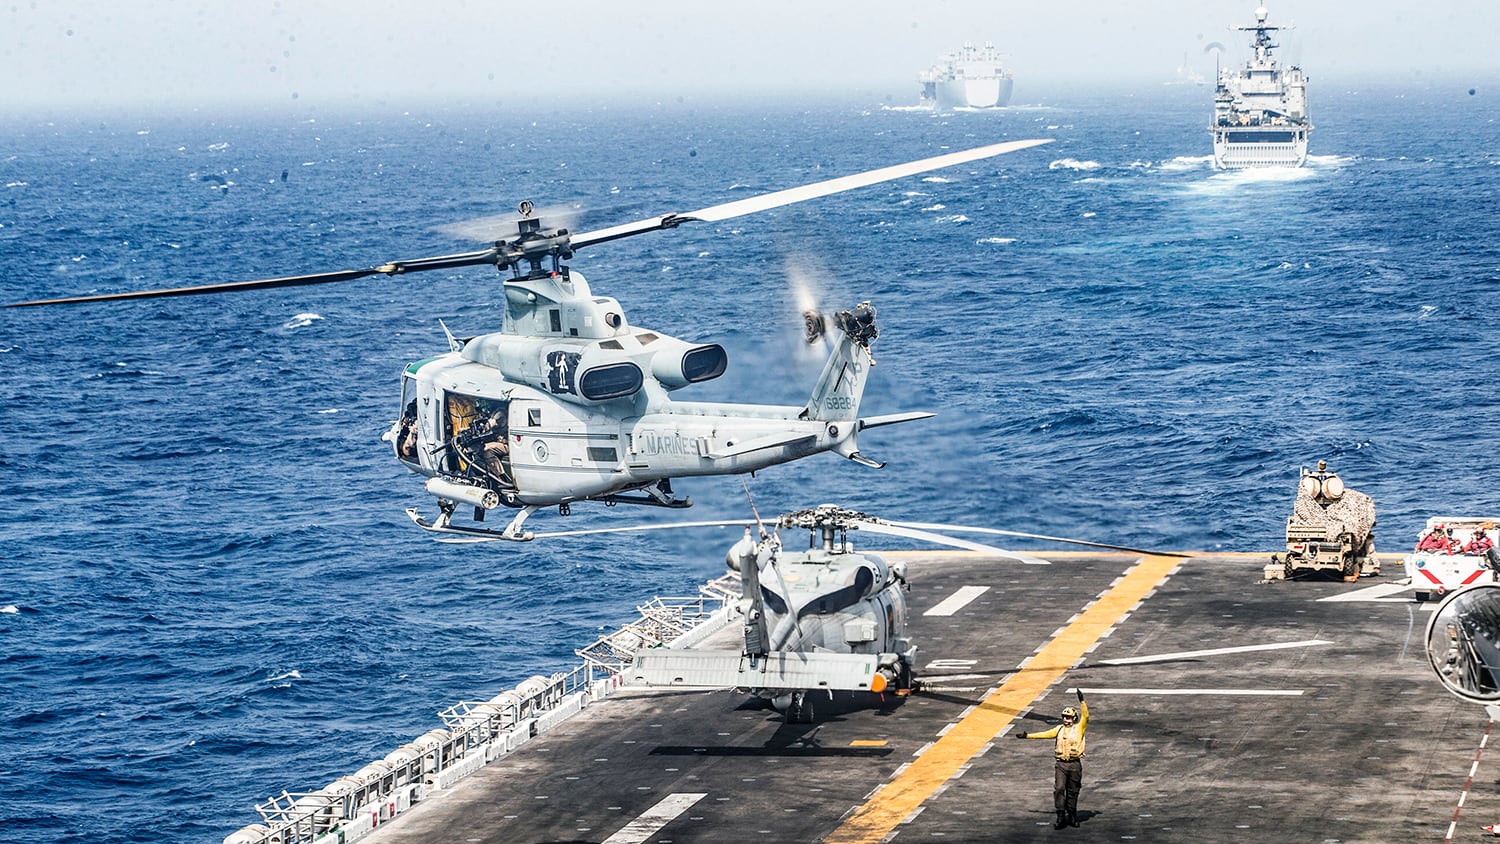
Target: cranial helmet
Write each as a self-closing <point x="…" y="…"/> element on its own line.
<point x="1070" y="712"/>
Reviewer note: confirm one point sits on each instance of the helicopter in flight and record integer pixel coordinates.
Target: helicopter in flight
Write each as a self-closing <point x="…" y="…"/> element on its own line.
<point x="823" y="620"/>
<point x="569" y="401"/>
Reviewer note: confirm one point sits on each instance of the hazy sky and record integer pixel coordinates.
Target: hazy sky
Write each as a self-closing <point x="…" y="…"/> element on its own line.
<point x="89" y="53"/>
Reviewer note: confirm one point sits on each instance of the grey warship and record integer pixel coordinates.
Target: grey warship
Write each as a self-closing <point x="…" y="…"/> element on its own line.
<point x="1260" y="109"/>
<point x="972" y="77"/>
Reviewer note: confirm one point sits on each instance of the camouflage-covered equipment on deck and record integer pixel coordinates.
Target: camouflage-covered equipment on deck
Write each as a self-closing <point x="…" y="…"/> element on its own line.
<point x="1331" y="529"/>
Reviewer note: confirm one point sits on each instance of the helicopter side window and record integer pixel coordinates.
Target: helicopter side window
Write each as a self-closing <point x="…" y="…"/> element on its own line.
<point x="556" y="317"/>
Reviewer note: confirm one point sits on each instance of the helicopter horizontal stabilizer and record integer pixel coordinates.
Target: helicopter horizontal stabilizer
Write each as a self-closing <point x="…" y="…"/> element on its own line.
<point x="758" y="443"/>
<point x="777" y="670"/>
<point x="892" y="419"/>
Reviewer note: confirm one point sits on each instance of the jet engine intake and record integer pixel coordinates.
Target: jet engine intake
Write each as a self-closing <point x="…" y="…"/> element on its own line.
<point x="610" y="381"/>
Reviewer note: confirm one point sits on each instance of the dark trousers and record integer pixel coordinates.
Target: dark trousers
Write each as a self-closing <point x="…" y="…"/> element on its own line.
<point x="1067" y="781"/>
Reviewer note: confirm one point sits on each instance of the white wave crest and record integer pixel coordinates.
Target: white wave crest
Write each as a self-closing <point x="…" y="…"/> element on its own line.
<point x="9" y="609"/>
<point x="1186" y="162"/>
<point x="935" y="180"/>
<point x="954" y="218"/>
<point x="1073" y="164"/>
<point x="302" y="320"/>
<point x="994" y="240"/>
<point x="1229" y="181"/>
<point x="294" y="674"/>
<point x="1329" y="160"/>
<point x="938" y="207"/>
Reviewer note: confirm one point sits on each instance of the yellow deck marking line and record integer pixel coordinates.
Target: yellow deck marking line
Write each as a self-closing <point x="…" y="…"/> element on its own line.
<point x="910" y="788"/>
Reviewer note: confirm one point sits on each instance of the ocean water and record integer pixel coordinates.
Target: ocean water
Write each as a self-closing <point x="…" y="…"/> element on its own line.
<point x="209" y="591"/>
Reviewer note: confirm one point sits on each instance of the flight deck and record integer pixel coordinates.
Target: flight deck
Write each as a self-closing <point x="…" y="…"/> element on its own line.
<point x="1221" y="709"/>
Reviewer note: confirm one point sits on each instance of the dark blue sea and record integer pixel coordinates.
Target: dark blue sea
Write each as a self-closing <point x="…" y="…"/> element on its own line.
<point x="209" y="591"/>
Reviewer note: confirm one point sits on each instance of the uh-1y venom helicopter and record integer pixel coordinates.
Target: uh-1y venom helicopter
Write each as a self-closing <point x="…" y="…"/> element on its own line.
<point x="568" y="402"/>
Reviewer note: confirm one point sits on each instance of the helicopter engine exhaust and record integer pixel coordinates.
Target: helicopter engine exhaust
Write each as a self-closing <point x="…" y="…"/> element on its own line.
<point x="679" y="363"/>
<point x="466" y="493"/>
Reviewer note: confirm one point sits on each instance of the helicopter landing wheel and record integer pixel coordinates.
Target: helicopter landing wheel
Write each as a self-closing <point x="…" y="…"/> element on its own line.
<point x="800" y="710"/>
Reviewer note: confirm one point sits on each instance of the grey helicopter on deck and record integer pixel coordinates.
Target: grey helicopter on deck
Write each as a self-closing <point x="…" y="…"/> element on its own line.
<point x="569" y="401"/>
<point x="817" y="621"/>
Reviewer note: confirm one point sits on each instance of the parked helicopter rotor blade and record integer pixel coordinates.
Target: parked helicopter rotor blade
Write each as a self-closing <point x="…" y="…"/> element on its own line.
<point x="890" y="529"/>
<point x="999" y="532"/>
<point x="483" y="256"/>
<point x="638" y="528"/>
<point x="776" y="199"/>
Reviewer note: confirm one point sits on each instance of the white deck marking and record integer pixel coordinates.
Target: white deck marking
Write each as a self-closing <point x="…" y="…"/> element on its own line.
<point x="1378" y="592"/>
<point x="1134" y="660"/>
<point x="653" y="819"/>
<point x="1231" y="692"/>
<point x="958" y="600"/>
<point x="951" y="664"/>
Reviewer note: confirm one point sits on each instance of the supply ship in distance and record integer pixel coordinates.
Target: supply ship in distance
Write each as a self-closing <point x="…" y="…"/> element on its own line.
<point x="973" y="77"/>
<point x="1260" y="110"/>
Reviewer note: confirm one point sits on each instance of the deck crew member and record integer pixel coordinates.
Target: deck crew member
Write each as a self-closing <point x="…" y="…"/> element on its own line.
<point x="1067" y="778"/>
<point x="1437" y="541"/>
<point x="1479" y="543"/>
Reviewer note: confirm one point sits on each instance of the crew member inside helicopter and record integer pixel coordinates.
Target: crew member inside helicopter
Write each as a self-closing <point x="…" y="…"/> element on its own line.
<point x="489" y="436"/>
<point x="407" y="442"/>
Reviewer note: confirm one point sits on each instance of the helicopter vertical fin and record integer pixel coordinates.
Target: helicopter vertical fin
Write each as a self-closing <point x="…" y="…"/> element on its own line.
<point x="837" y="394"/>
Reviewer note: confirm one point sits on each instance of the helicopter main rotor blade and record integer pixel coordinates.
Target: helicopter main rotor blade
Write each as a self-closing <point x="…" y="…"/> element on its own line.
<point x="465" y="259"/>
<point x="999" y="532"/>
<point x="939" y="539"/>
<point x="776" y="199"/>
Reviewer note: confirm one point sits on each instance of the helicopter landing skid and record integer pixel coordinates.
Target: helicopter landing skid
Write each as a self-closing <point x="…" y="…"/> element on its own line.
<point x="512" y="532"/>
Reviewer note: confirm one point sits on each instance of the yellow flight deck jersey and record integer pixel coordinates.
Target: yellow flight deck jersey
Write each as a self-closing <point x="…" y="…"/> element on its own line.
<point x="1069" y="739"/>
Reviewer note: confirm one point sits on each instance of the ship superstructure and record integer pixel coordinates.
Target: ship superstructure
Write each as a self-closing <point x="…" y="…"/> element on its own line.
<point x="973" y="77"/>
<point x="1260" y="109"/>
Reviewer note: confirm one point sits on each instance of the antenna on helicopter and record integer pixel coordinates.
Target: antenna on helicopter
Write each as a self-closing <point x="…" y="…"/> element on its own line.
<point x="754" y="512"/>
